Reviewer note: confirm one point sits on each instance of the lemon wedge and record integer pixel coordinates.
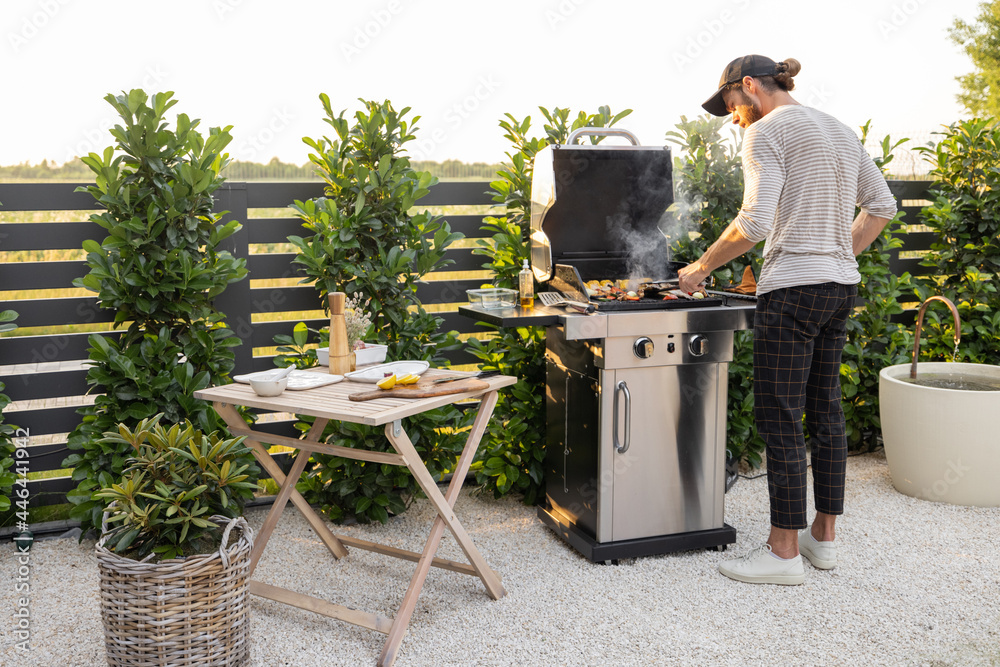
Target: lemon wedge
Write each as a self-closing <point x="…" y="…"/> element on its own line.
<point x="387" y="383"/>
<point x="409" y="378"/>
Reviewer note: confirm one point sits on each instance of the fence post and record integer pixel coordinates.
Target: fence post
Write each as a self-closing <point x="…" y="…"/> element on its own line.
<point x="234" y="302"/>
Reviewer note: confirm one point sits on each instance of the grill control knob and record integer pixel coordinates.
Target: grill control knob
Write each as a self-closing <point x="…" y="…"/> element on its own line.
<point x="643" y="348"/>
<point x="699" y="345"/>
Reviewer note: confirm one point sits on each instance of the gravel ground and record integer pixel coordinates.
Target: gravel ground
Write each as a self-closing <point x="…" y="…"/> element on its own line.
<point x="917" y="584"/>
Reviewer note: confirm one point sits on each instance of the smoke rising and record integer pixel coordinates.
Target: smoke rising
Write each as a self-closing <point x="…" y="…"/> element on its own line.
<point x="647" y="222"/>
<point x="677" y="221"/>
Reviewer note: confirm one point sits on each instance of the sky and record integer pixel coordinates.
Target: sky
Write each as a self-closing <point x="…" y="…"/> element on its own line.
<point x="459" y="64"/>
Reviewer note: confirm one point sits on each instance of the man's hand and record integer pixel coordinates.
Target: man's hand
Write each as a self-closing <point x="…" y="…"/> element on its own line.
<point x="726" y="248"/>
<point x="691" y="277"/>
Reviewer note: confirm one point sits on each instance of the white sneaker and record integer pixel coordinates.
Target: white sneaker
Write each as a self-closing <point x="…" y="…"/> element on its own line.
<point x="760" y="567"/>
<point x="823" y="555"/>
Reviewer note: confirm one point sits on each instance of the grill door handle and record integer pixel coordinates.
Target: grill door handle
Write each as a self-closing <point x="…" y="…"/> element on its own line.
<point x="601" y="132"/>
<point x="622" y="447"/>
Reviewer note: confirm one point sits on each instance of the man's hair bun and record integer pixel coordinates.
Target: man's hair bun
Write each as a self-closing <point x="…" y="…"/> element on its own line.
<point x="790" y="65"/>
<point x="787" y="69"/>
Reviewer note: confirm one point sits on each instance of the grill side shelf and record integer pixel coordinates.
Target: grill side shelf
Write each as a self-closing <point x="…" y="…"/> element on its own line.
<point x="539" y="316"/>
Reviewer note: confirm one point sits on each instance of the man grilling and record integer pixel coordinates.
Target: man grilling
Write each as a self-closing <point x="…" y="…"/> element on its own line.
<point x="804" y="173"/>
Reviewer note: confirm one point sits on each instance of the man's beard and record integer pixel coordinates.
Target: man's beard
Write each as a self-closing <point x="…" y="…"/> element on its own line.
<point x="749" y="109"/>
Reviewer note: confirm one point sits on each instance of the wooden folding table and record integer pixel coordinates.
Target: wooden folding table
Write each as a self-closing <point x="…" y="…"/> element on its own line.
<point x="332" y="402"/>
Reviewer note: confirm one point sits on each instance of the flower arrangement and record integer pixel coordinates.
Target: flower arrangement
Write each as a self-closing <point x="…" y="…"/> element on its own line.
<point x="357" y="319"/>
<point x="293" y="349"/>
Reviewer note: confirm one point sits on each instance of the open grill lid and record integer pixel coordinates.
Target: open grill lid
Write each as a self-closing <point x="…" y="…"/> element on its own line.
<point x="598" y="208"/>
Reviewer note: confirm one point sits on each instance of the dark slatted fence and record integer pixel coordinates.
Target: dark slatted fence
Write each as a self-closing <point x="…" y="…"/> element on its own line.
<point x="44" y="373"/>
<point x="910" y="197"/>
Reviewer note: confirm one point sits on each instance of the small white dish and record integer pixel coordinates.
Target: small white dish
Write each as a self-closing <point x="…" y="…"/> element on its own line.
<point x="376" y="373"/>
<point x="268" y="387"/>
<point x="297" y="379"/>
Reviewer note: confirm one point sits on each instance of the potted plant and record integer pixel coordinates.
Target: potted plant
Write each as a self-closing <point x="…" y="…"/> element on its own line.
<point x="157" y="262"/>
<point x="174" y="554"/>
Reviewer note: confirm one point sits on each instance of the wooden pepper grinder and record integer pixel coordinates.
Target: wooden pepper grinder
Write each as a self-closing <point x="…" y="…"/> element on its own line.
<point x="340" y="355"/>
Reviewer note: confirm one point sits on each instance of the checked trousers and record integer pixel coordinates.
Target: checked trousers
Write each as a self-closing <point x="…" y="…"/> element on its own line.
<point x="799" y="335"/>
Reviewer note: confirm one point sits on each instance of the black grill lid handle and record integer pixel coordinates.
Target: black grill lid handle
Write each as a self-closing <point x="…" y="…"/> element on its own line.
<point x="601" y="132"/>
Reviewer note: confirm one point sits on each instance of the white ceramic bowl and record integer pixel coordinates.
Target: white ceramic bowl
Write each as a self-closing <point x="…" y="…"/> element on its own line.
<point x="323" y="356"/>
<point x="269" y="387"/>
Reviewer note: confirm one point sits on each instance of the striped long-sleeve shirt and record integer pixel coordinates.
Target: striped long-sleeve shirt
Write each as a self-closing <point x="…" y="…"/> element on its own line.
<point x="804" y="173"/>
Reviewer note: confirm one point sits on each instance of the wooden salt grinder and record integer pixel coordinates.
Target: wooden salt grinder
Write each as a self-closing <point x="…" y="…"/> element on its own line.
<point x="340" y="356"/>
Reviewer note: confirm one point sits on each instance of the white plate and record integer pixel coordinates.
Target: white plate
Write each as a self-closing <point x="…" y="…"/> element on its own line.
<point x="297" y="379"/>
<point x="376" y="373"/>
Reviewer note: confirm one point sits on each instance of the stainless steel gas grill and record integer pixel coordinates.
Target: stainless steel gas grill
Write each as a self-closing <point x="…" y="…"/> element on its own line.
<point x="636" y="391"/>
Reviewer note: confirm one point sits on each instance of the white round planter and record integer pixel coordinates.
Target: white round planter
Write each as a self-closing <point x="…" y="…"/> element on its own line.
<point x="942" y="444"/>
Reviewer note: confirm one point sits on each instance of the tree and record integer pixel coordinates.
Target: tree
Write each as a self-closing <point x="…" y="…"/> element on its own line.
<point x="159" y="270"/>
<point x="981" y="41"/>
<point x="365" y="237"/>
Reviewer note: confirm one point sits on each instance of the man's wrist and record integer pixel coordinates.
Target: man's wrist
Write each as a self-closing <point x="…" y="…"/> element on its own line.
<point x="700" y="269"/>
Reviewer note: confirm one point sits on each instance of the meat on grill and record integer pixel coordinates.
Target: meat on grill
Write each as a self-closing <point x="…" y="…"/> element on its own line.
<point x="618" y="290"/>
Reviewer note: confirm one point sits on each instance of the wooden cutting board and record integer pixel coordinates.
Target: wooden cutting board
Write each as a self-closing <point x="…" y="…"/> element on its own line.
<point x="423" y="389"/>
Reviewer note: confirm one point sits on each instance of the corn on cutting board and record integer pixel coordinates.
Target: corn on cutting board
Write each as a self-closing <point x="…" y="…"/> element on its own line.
<point x="423" y="389"/>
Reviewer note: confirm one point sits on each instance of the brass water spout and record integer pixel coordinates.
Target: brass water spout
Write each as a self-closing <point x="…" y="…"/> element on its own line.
<point x="920" y="322"/>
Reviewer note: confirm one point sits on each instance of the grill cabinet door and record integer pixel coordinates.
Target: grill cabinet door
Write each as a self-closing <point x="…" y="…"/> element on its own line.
<point x="571" y="437"/>
<point x="667" y="481"/>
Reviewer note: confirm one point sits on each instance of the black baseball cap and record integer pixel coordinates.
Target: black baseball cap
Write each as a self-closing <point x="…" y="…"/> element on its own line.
<point x="735" y="71"/>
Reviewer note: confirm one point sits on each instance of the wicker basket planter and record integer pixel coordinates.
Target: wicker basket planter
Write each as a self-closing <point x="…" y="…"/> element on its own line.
<point x="184" y="611"/>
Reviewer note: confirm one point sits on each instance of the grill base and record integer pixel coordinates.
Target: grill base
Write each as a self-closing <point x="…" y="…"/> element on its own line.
<point x="598" y="552"/>
<point x="635" y="445"/>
